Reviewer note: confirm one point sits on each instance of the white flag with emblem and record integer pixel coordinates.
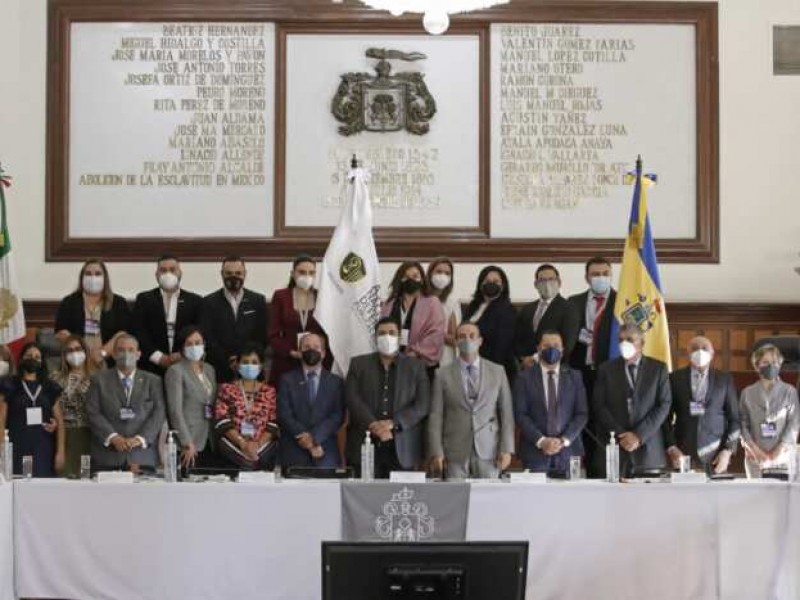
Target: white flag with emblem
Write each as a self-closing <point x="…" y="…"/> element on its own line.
<point x="348" y="303"/>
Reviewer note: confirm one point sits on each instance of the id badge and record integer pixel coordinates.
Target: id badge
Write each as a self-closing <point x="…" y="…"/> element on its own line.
<point x="696" y="409"/>
<point x="33" y="416"/>
<point x="247" y="429"/>
<point x="769" y="429"/>
<point x="585" y="336"/>
<point x="126" y="414"/>
<point x="207" y="412"/>
<point x="404" y="337"/>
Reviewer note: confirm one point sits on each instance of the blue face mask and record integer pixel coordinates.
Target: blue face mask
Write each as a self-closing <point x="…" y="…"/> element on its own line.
<point x="550" y="355"/>
<point x="249" y="372"/>
<point x="600" y="285"/>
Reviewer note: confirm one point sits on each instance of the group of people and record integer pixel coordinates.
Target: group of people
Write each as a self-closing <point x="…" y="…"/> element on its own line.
<point x="249" y="387"/>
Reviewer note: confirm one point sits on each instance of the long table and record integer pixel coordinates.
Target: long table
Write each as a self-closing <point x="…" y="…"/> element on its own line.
<point x="731" y="540"/>
<point x="6" y="541"/>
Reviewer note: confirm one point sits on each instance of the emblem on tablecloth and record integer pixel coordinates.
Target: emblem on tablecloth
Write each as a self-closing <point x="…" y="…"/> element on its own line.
<point x="404" y="519"/>
<point x="384" y="102"/>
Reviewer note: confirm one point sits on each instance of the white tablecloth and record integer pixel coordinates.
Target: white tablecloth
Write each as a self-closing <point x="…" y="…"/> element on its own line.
<point x="723" y="541"/>
<point x="6" y="541"/>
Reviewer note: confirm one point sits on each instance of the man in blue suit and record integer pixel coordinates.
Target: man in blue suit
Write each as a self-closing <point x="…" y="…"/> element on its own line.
<point x="550" y="409"/>
<point x="310" y="410"/>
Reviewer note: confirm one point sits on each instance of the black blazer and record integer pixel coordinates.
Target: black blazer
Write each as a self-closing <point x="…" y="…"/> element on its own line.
<point x="651" y="402"/>
<point x="497" y="329"/>
<point x="410" y="405"/>
<point x="225" y="334"/>
<point x="71" y="316"/>
<point x="149" y="323"/>
<point x="578" y="356"/>
<point x="718" y="429"/>
<point x="559" y="316"/>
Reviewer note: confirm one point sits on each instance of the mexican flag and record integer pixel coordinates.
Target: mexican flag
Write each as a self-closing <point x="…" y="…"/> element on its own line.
<point x="12" y="320"/>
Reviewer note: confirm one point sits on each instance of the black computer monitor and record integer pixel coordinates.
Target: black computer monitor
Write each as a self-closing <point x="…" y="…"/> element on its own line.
<point x="429" y="571"/>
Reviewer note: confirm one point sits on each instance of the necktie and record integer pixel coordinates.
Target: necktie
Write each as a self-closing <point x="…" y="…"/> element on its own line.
<point x="698" y="389"/>
<point x="537" y="317"/>
<point x="312" y="386"/>
<point x="472" y="383"/>
<point x="552" y="405"/>
<point x="126" y="385"/>
<point x="632" y="387"/>
<point x="598" y="314"/>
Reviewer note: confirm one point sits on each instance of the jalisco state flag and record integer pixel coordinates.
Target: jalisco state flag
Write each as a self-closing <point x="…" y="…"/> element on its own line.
<point x="12" y="320"/>
<point x="639" y="297"/>
<point x="348" y="302"/>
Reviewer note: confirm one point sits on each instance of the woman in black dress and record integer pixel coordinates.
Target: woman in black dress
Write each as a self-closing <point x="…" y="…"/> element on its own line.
<point x="30" y="410"/>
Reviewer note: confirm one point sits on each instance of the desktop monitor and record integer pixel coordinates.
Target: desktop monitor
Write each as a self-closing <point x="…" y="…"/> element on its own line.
<point x="424" y="570"/>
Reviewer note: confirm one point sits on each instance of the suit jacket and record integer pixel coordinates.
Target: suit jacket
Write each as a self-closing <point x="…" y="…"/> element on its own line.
<point x="651" y="402"/>
<point x="426" y="335"/>
<point x="284" y="327"/>
<point x="559" y="316"/>
<point x="149" y="323"/>
<point x="410" y="405"/>
<point x="322" y="418"/>
<point x="456" y="427"/>
<point x="702" y="437"/>
<point x="187" y="398"/>
<point x="71" y="316"/>
<point x="497" y="330"/>
<point x="103" y="403"/>
<point x="530" y="411"/>
<point x="577" y="357"/>
<point x="225" y="333"/>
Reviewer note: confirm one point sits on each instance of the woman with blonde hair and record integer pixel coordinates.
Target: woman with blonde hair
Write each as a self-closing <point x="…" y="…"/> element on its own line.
<point x="73" y="377"/>
<point x="770" y="415"/>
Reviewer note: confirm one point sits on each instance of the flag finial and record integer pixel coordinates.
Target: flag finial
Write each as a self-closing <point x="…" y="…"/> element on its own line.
<point x="638" y="164"/>
<point x="354" y="162"/>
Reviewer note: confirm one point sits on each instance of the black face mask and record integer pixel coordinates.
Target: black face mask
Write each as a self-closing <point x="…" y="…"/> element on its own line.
<point x="311" y="357"/>
<point x="30" y="365"/>
<point x="233" y="283"/>
<point x="410" y="286"/>
<point x="491" y="289"/>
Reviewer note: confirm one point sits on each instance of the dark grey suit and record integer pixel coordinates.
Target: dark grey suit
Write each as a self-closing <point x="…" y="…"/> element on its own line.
<point x="105" y="398"/>
<point x="410" y="405"/>
<point x="650" y="404"/>
<point x="703" y="437"/>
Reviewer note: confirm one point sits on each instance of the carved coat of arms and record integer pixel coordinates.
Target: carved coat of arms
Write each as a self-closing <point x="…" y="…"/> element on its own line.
<point x="384" y="102"/>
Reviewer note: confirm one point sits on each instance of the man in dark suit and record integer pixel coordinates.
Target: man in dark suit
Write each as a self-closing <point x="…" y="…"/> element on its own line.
<point x="159" y="314"/>
<point x="704" y="419"/>
<point x="388" y="395"/>
<point x="550" y="409"/>
<point x="310" y="409"/>
<point x="232" y="316"/>
<point x="594" y="310"/>
<point x="631" y="400"/>
<point x="551" y="312"/>
<point x="126" y="411"/>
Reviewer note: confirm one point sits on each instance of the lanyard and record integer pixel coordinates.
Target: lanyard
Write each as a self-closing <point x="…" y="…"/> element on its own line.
<point x="33" y="397"/>
<point x="249" y="399"/>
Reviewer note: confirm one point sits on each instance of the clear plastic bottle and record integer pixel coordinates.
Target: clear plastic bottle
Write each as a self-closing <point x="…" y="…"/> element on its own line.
<point x="612" y="460"/>
<point x="367" y="459"/>
<point x="8" y="457"/>
<point x="171" y="464"/>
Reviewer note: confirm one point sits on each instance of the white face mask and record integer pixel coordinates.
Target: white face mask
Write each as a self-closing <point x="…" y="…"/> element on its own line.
<point x="304" y="282"/>
<point x="76" y="358"/>
<point x="701" y="358"/>
<point x="93" y="284"/>
<point x="600" y="284"/>
<point x="4" y="368"/>
<point x="168" y="281"/>
<point x="388" y="345"/>
<point x="627" y="350"/>
<point x="440" y="280"/>
<point x="194" y="352"/>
